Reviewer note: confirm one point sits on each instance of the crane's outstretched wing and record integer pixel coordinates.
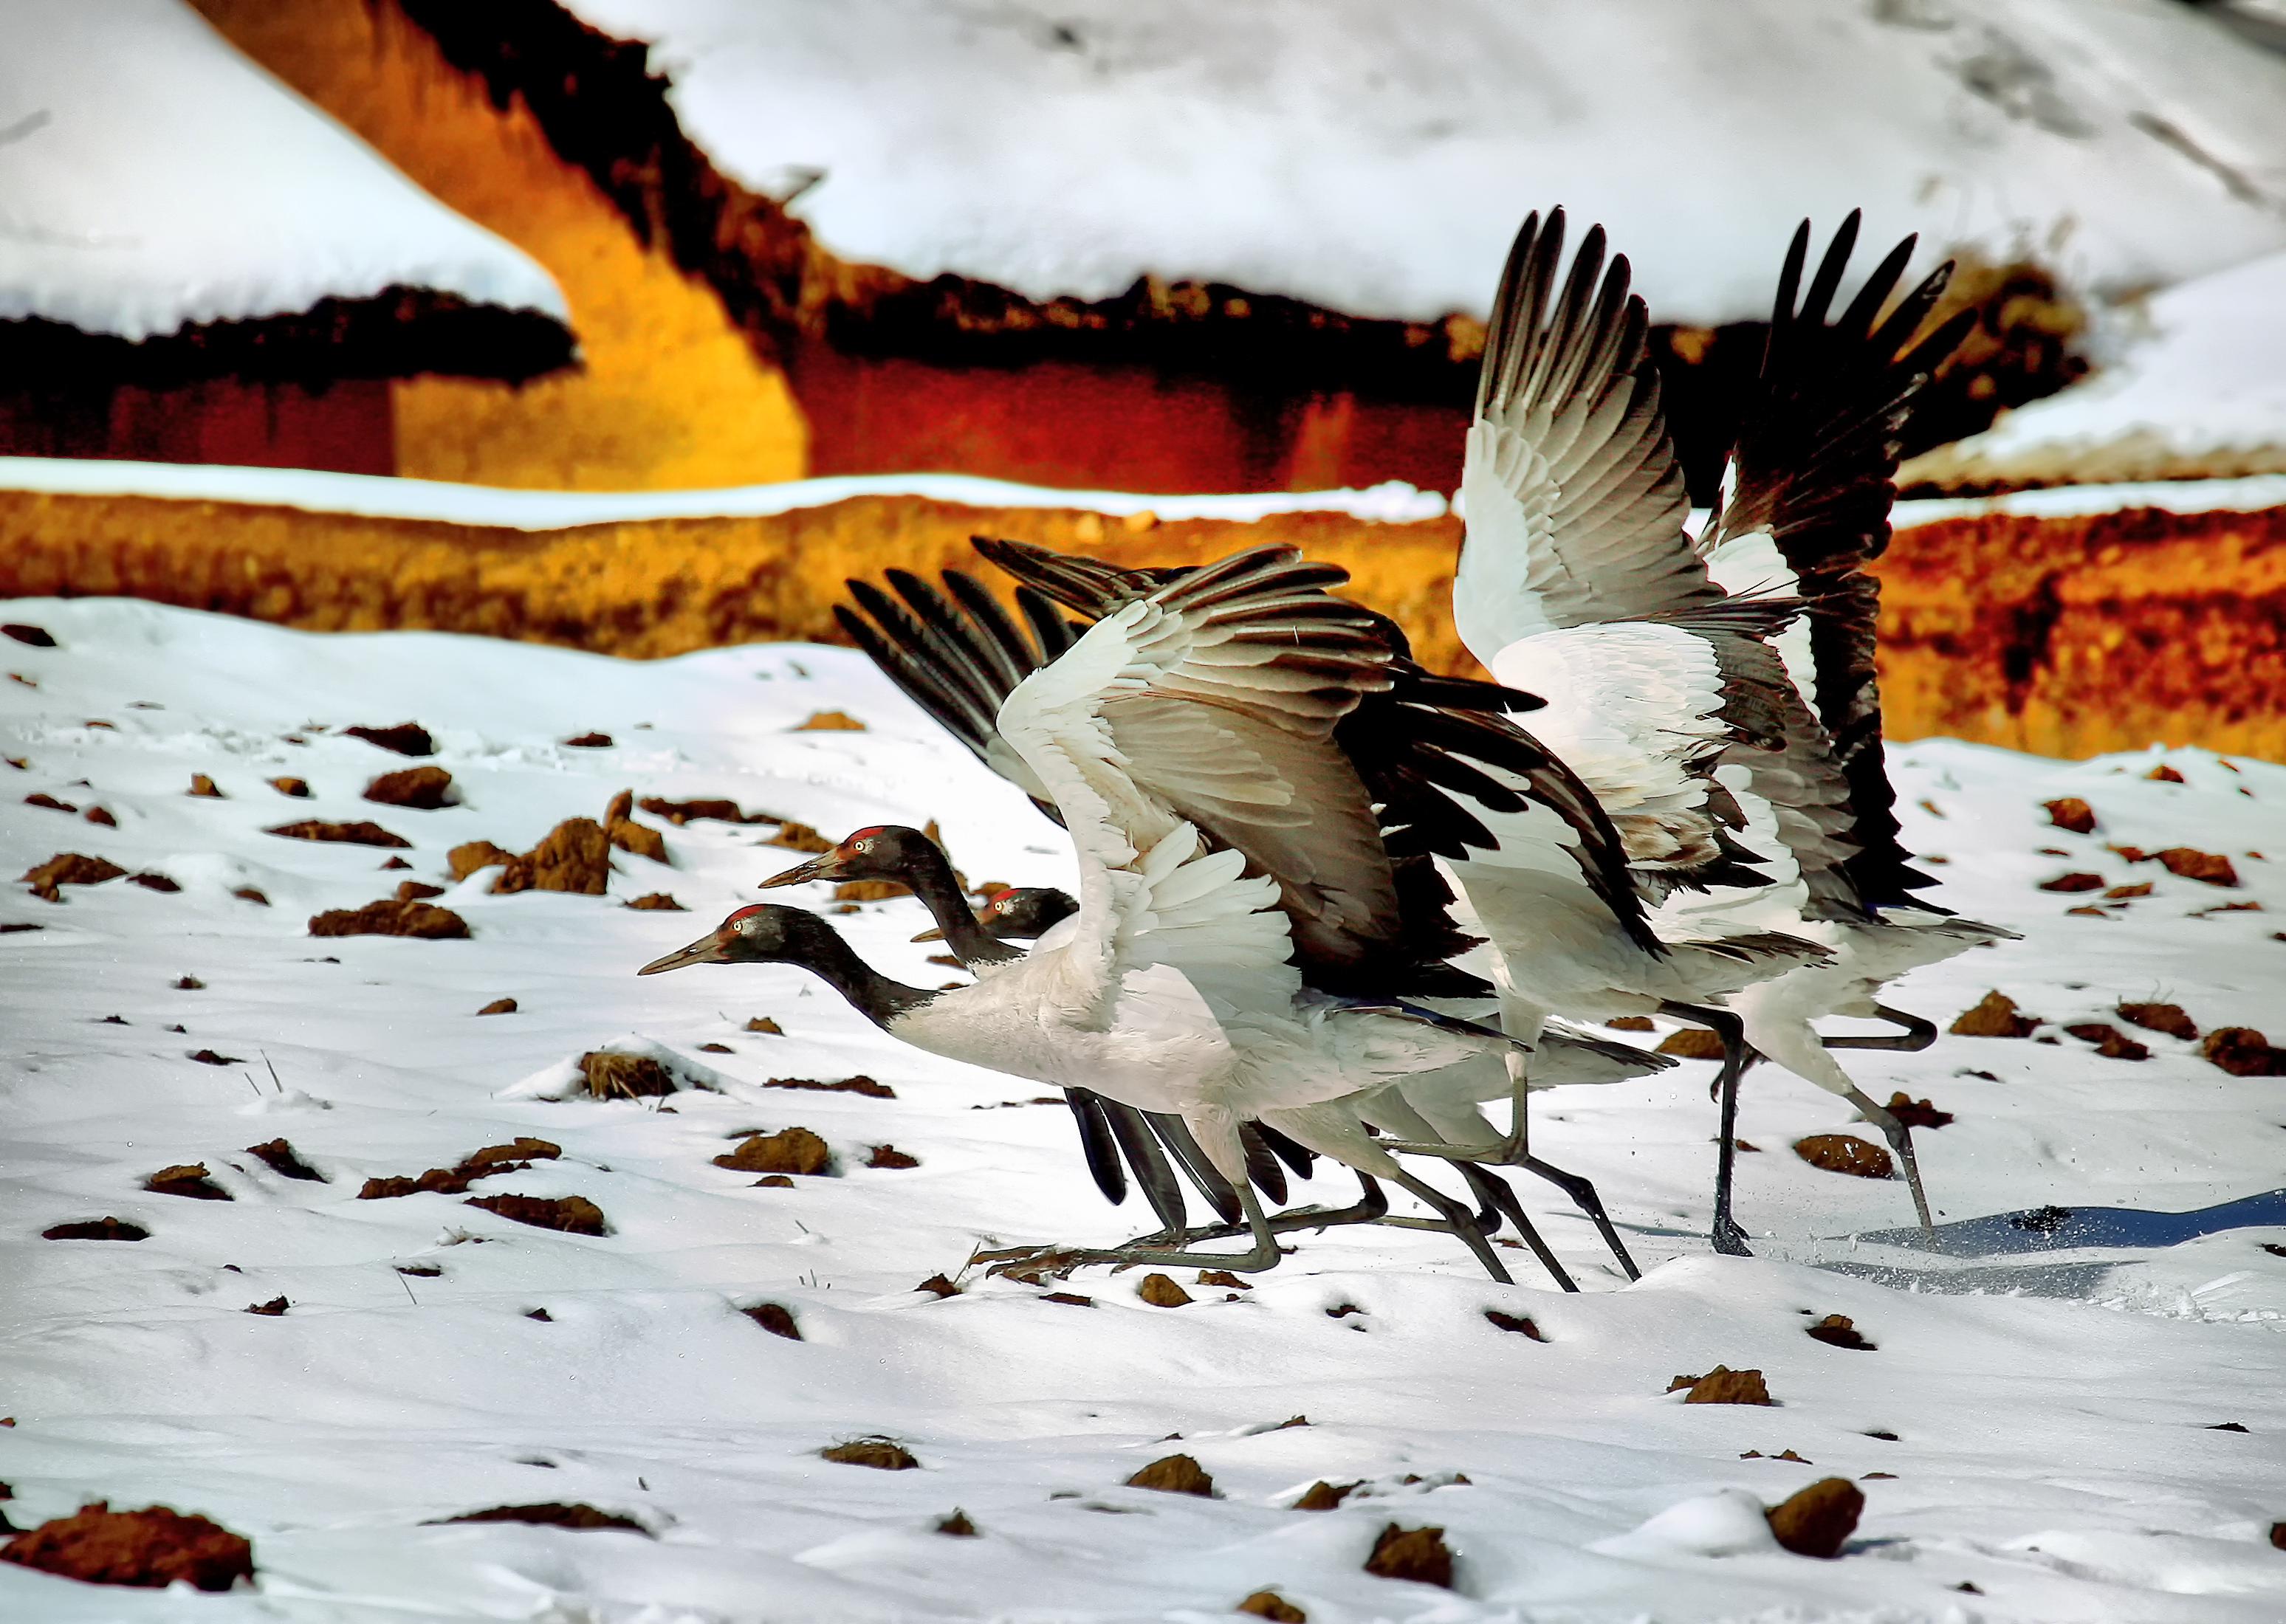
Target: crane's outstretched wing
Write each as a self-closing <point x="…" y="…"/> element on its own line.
<point x="1575" y="502"/>
<point x="1813" y="477"/>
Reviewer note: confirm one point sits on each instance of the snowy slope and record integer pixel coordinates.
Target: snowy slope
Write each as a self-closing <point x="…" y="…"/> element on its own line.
<point x="1376" y="159"/>
<point x="2052" y="1412"/>
<point x="2200" y="384"/>
<point x="152" y="177"/>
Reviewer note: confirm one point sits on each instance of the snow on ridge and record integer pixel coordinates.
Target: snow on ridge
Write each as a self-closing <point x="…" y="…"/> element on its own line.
<point x="151" y="177"/>
<point x="2204" y="378"/>
<point x="377" y="496"/>
<point x="1376" y="159"/>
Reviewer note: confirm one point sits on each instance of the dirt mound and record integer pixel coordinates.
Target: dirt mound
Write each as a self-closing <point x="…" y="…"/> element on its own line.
<point x="1175" y="1474"/>
<point x="33" y="636"/>
<point x="1817" y="1521"/>
<point x="1516" y="1323"/>
<point x="589" y="741"/>
<point x="417" y="891"/>
<point x="2168" y="1018"/>
<point x="2189" y="862"/>
<point x="791" y="1150"/>
<point x="571" y="1214"/>
<point x="151" y="1548"/>
<point x="203" y="787"/>
<point x="830" y="721"/>
<point x="1324" y="1497"/>
<point x="189" y="1179"/>
<point x="470" y="856"/>
<point x="681" y="812"/>
<point x="1845" y="1152"/>
<point x="2071" y="812"/>
<point x="657" y="902"/>
<point x="628" y="1076"/>
<point x="880" y="1454"/>
<point x="97" y="1229"/>
<point x="639" y="840"/>
<point x="2243" y="1052"/>
<point x="860" y="1085"/>
<point x="2109" y="1041"/>
<point x="1692" y="1043"/>
<point x="1840" y="1331"/>
<point x="298" y="788"/>
<point x="424" y="789"/>
<point x="275" y="1308"/>
<point x="575" y="856"/>
<point x="763" y="1023"/>
<point x="499" y="1006"/>
<point x="159" y="883"/>
<point x="359" y="833"/>
<point x="1270" y="1604"/>
<point x="551" y="1514"/>
<point x="1418" y="1554"/>
<point x="889" y="1157"/>
<point x="2073" y="882"/>
<point x="776" y="1319"/>
<point x="1724" y="1385"/>
<point x="280" y="1158"/>
<point x="799" y="837"/>
<point x="405" y="738"/>
<point x="510" y="1158"/>
<point x="68" y="868"/>
<point x="1917" y="1112"/>
<point x="392" y="917"/>
<point x="1994" y="1015"/>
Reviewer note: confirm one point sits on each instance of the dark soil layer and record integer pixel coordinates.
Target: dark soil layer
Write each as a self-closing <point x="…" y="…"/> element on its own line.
<point x="860" y="1085"/>
<point x="151" y="1548"/>
<point x="392" y="917"/>
<point x="551" y="1514"/>
<point x="97" y="1229"/>
<point x="571" y="1214"/>
<point x="358" y="833"/>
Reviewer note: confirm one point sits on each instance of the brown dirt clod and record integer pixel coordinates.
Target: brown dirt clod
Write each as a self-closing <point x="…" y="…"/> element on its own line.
<point x="2109" y="1041"/>
<point x="2071" y="812"/>
<point x="1692" y="1043"/>
<point x="466" y="858"/>
<point x="1161" y="1291"/>
<point x="889" y="1157"/>
<point x="1223" y="1278"/>
<point x="101" y="816"/>
<point x="1994" y="1015"/>
<point x="574" y="856"/>
<point x="957" y="1526"/>
<point x="1724" y="1385"/>
<point x="252" y="894"/>
<point x="1069" y="1299"/>
<point x="203" y="787"/>
<point x="1840" y="1331"/>
<point x="159" y="883"/>
<point x="151" y="1548"/>
<point x="33" y="636"/>
<point x="2164" y="774"/>
<point x="49" y="803"/>
<point x="1270" y="1604"/>
<point x="1631" y="1023"/>
<point x="763" y="1023"/>
<point x="1819" y="1519"/>
<point x="830" y="721"/>
<point x="773" y="1181"/>
<point x="189" y="1179"/>
<point x="498" y="1158"/>
<point x="2073" y="882"/>
<point x="97" y="1229"/>
<point x="790" y="1150"/>
<point x="298" y="788"/>
<point x="423" y="788"/>
<point x="2243" y="1052"/>
<point x="859" y="1084"/>
<point x="358" y="833"/>
<point x="776" y="1319"/>
<point x="499" y="1006"/>
<point x="589" y="741"/>
<point x="392" y="917"/>
<point x="715" y="810"/>
<point x="639" y="840"/>
<point x="571" y="1214"/>
<point x="405" y="738"/>
<point x="274" y="1309"/>
<point x="1917" y="1112"/>
<point x="938" y="1286"/>
<point x="716" y="1048"/>
<point x="68" y="868"/>
<point x="208" y="1057"/>
<point x="551" y="1514"/>
<point x="799" y="837"/>
<point x="657" y="902"/>
<point x="1418" y="1554"/>
<point x="868" y="891"/>
<point x="1324" y="1497"/>
<point x="1846" y="1153"/>
<point x="2167" y="1018"/>
<point x="1175" y="1474"/>
<point x="611" y="1074"/>
<point x="2189" y="862"/>
<point x="280" y="1158"/>
<point x="417" y="891"/>
<point x="880" y="1454"/>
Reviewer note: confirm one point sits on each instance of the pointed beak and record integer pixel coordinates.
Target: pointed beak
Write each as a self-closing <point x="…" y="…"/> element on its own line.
<point x="706" y="950"/>
<point x="827" y="867"/>
<point x="931" y="934"/>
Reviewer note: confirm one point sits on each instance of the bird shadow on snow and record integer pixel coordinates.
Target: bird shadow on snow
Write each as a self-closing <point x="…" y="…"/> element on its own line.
<point x="2036" y="1237"/>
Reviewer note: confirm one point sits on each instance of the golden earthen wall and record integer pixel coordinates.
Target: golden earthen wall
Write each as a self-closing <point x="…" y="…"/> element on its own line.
<point x="671" y="394"/>
<point x="2065" y="636"/>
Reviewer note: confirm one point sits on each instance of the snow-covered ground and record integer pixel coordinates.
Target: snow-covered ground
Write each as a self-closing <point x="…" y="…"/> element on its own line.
<point x="152" y="177"/>
<point x="2039" y="1423"/>
<point x="1376" y="159"/>
<point x="2199" y="383"/>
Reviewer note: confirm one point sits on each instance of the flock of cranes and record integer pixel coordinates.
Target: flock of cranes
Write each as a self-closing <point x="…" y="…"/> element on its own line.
<point x="1331" y="903"/>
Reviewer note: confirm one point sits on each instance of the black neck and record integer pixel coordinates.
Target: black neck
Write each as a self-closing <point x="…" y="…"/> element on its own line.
<point x="929" y="875"/>
<point x="870" y="993"/>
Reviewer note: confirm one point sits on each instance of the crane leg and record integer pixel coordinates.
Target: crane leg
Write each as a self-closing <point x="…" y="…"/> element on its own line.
<point x="1901" y="1140"/>
<point x="1728" y="1239"/>
<point x="1918" y="1034"/>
